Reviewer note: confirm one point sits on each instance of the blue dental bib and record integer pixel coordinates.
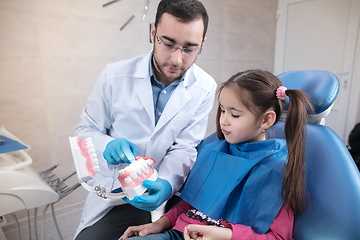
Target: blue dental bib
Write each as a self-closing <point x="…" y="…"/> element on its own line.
<point x="240" y="183"/>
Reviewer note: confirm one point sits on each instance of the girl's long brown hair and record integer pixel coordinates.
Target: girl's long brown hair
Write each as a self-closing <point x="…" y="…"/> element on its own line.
<point x="256" y="89"/>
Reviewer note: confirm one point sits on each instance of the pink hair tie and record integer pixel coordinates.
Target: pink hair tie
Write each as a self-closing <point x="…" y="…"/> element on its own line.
<point x="280" y="93"/>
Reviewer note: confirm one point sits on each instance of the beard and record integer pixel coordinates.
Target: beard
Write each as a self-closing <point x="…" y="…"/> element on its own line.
<point x="162" y="68"/>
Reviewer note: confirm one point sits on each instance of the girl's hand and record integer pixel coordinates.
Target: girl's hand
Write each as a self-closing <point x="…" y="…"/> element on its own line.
<point x="141" y="231"/>
<point x="160" y="225"/>
<point x="202" y="232"/>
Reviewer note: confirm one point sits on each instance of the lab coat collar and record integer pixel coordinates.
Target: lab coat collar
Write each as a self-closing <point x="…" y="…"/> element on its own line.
<point x="143" y="69"/>
<point x="144" y="92"/>
<point x="179" y="98"/>
<point x="143" y="89"/>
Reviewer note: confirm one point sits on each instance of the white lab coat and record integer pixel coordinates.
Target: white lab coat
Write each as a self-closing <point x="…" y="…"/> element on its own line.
<point x="121" y="106"/>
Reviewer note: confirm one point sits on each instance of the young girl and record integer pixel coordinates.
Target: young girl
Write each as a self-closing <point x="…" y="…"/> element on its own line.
<point x="248" y="186"/>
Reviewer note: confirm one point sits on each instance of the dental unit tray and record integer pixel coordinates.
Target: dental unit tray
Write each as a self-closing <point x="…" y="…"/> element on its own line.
<point x="22" y="187"/>
<point x="130" y="177"/>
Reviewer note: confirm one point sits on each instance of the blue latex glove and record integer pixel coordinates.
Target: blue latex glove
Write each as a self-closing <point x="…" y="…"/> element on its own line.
<point x="120" y="151"/>
<point x="159" y="191"/>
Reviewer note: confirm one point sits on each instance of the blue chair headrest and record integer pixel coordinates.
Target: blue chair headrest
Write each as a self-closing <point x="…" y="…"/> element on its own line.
<point x="321" y="86"/>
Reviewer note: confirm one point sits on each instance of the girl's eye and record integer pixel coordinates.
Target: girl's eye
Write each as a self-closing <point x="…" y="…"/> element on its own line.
<point x="235" y="116"/>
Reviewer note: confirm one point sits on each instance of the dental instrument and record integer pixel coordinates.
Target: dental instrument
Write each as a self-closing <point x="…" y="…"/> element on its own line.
<point x="130" y="177"/>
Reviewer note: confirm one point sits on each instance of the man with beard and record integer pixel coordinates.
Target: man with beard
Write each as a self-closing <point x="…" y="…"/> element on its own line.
<point x="155" y="105"/>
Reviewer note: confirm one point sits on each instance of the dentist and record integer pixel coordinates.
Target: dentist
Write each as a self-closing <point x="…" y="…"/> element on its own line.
<point x="155" y="105"/>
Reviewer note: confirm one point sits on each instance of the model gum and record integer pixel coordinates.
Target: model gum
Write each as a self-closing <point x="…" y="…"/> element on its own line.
<point x="132" y="176"/>
<point x="85" y="159"/>
<point x="88" y="152"/>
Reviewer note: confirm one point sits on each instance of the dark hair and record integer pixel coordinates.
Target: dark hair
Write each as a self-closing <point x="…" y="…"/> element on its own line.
<point x="185" y="10"/>
<point x="354" y="144"/>
<point x="256" y="89"/>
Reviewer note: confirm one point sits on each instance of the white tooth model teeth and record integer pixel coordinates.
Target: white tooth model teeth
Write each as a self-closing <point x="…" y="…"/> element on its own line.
<point x="130" y="177"/>
<point x="85" y="159"/>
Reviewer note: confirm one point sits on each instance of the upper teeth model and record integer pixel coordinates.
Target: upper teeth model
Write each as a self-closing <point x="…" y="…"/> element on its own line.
<point x="132" y="176"/>
<point x="85" y="159"/>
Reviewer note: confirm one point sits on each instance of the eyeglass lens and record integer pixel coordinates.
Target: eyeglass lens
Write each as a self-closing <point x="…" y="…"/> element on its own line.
<point x="172" y="48"/>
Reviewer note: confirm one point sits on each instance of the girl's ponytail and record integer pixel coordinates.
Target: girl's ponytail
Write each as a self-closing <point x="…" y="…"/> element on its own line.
<point x="293" y="187"/>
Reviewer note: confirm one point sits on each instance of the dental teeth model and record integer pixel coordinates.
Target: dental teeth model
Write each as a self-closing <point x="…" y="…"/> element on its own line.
<point x="85" y="159"/>
<point x="132" y="176"/>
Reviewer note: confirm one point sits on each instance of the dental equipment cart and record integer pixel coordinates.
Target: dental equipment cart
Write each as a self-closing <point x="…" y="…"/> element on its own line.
<point x="21" y="187"/>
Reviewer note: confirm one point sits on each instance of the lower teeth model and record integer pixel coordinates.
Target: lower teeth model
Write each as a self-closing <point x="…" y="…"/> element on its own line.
<point x="131" y="177"/>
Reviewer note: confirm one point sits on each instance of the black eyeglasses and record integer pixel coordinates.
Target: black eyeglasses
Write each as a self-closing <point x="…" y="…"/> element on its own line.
<point x="172" y="48"/>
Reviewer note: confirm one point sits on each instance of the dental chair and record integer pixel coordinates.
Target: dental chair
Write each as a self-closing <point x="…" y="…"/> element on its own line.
<point x="332" y="207"/>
